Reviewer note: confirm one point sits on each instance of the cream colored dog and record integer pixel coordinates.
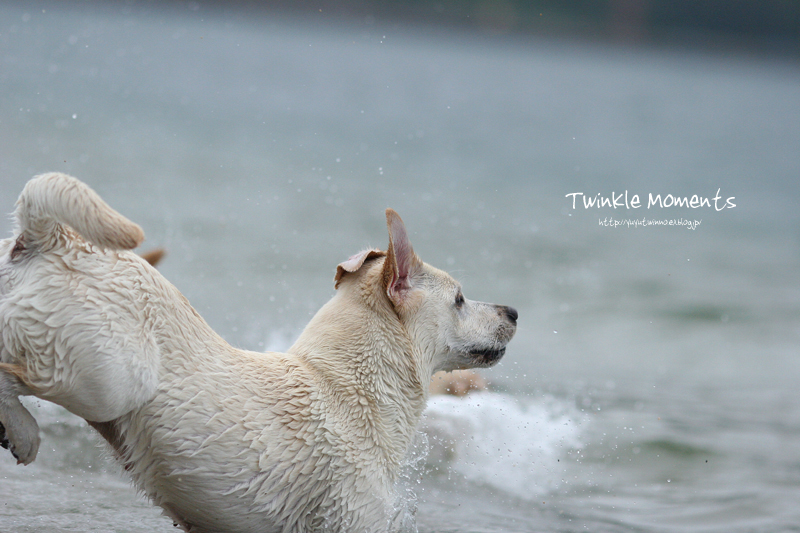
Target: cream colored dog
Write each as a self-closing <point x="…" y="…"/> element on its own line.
<point x="227" y="440"/>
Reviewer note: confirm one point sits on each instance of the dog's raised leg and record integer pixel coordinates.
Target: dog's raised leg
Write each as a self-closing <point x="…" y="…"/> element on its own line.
<point x="19" y="432"/>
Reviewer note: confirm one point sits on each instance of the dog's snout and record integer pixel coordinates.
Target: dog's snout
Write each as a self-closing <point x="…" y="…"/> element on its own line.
<point x="511" y="313"/>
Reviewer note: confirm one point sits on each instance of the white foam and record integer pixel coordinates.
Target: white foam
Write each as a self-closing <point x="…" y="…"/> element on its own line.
<point x="509" y="443"/>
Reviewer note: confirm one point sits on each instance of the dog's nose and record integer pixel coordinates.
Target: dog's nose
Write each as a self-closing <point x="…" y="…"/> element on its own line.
<point x="512" y="314"/>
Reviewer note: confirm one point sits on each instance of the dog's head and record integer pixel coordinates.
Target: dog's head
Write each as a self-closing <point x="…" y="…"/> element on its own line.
<point x="449" y="330"/>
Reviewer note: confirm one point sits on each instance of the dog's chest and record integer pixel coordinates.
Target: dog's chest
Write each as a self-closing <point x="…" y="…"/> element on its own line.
<point x="276" y="453"/>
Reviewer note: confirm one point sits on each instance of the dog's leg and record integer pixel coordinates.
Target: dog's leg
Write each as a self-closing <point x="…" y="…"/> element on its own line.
<point x="110" y="431"/>
<point x="19" y="431"/>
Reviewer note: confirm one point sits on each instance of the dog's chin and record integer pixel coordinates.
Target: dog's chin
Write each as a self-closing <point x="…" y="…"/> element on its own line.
<point x="485" y="357"/>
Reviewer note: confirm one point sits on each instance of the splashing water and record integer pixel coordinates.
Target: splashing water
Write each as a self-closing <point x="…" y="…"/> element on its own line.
<point x="404" y="511"/>
<point x="502" y="441"/>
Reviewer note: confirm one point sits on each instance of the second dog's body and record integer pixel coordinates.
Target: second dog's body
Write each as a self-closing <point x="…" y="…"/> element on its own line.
<point x="225" y="439"/>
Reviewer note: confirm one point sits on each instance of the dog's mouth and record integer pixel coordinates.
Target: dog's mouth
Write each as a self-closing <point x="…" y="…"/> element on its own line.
<point x="487" y="356"/>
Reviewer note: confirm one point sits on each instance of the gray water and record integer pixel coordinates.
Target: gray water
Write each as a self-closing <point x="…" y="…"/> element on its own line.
<point x="652" y="384"/>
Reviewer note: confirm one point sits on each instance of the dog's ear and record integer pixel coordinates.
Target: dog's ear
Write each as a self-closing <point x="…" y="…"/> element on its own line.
<point x="354" y="263"/>
<point x="401" y="262"/>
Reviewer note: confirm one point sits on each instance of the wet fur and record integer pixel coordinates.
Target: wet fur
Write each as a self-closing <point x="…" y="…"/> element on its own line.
<point x="225" y="439"/>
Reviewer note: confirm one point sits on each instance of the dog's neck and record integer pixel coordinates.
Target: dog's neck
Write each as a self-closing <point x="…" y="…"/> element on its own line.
<point x="364" y="358"/>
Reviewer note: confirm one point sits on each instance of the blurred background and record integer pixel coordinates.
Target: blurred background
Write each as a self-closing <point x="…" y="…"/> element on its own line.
<point x="740" y="25"/>
<point x="652" y="382"/>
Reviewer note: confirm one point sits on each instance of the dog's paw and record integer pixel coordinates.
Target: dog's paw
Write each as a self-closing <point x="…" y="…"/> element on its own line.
<point x="21" y="438"/>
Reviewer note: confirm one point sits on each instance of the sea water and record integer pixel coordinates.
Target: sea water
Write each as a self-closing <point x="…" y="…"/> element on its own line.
<point x="652" y="383"/>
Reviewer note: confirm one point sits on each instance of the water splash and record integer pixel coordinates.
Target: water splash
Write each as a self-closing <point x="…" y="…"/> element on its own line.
<point x="404" y="510"/>
<point x="508" y="443"/>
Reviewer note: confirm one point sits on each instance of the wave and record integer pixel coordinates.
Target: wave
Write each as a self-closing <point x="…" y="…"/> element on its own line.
<point x="509" y="443"/>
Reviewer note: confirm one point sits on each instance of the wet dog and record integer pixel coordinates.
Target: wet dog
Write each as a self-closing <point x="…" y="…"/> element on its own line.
<point x="225" y="439"/>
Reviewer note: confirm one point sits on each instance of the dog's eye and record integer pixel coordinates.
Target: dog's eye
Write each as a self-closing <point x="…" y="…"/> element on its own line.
<point x="459" y="300"/>
<point x="19" y="247"/>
